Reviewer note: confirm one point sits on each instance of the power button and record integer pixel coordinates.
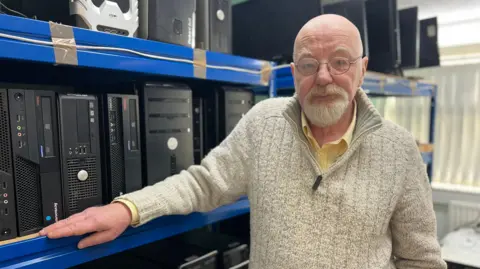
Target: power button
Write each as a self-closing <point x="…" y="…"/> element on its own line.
<point x="6" y="232"/>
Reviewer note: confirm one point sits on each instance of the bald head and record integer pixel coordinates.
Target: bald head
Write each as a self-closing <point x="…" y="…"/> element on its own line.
<point x="325" y="28"/>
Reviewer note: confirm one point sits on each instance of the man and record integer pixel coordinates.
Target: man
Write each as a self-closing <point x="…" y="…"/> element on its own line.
<point x="331" y="184"/>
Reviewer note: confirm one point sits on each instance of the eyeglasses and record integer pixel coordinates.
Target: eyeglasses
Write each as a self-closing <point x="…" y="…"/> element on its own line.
<point x="336" y="65"/>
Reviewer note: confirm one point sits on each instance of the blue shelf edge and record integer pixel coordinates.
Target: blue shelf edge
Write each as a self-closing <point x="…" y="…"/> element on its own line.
<point x="42" y="252"/>
<point x="122" y="61"/>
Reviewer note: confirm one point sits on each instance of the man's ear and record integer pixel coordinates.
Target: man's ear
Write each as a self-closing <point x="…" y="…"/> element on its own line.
<point x="364" y="70"/>
<point x="292" y="67"/>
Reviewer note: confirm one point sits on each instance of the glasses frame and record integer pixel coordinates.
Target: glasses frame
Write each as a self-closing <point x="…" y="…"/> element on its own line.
<point x="328" y="66"/>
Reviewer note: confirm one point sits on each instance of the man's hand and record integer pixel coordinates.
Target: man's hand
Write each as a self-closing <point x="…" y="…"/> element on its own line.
<point x="106" y="222"/>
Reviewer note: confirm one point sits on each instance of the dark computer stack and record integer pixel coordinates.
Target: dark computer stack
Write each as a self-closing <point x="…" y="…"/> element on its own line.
<point x="167" y="125"/>
<point x="219" y="109"/>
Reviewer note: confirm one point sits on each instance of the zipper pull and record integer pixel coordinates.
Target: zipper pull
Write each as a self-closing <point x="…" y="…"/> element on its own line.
<point x="318" y="180"/>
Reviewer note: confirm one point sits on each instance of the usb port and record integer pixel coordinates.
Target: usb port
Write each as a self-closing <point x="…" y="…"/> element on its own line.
<point x="5" y="211"/>
<point x="20" y="144"/>
<point x="4" y="185"/>
<point x="19" y="118"/>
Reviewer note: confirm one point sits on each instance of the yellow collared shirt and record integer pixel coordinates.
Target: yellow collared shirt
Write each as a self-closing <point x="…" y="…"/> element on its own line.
<point x="330" y="152"/>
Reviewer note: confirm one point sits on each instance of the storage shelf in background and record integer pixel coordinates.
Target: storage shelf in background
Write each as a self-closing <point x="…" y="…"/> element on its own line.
<point x="41" y="252"/>
<point x="122" y="61"/>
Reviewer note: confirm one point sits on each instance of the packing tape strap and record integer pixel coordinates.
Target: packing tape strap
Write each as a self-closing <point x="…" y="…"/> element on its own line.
<point x="200" y="63"/>
<point x="266" y="72"/>
<point x="64" y="45"/>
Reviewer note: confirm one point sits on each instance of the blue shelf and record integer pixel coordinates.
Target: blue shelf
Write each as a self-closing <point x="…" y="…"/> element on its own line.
<point x="374" y="84"/>
<point x="121" y="61"/>
<point x="45" y="253"/>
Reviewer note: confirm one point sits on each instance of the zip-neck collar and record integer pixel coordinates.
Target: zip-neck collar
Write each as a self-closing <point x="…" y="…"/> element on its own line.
<point x="368" y="120"/>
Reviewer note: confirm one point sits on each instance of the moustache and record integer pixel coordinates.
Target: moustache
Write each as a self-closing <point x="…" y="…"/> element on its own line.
<point x="328" y="91"/>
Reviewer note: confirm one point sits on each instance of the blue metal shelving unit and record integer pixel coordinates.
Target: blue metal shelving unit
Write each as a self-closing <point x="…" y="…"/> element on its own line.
<point x="376" y="84"/>
<point x="41" y="252"/>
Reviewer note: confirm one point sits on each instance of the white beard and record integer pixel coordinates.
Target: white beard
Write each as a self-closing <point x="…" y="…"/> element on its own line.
<point x="324" y="115"/>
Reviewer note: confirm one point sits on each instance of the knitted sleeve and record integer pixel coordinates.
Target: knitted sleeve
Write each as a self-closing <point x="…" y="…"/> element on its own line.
<point x="413" y="224"/>
<point x="221" y="178"/>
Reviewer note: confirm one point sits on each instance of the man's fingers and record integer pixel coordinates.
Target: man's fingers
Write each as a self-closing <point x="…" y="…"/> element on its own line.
<point x="97" y="238"/>
<point x="74" y="229"/>
<point x="63" y="223"/>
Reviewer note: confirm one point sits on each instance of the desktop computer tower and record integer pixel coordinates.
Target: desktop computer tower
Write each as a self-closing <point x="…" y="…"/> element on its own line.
<point x="80" y="149"/>
<point x="233" y="103"/>
<point x="198" y="136"/>
<point x="166" y="126"/>
<point x="111" y="16"/>
<point x="168" y="21"/>
<point x="122" y="158"/>
<point x="32" y="198"/>
<point x="214" y="25"/>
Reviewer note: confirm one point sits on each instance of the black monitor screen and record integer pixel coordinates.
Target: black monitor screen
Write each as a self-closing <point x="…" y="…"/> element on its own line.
<point x="383" y="36"/>
<point x="429" y="55"/>
<point x="266" y="29"/>
<point x="409" y="37"/>
<point x="355" y="12"/>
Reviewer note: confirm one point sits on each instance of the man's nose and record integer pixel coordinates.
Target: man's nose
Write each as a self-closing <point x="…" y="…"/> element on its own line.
<point x="323" y="75"/>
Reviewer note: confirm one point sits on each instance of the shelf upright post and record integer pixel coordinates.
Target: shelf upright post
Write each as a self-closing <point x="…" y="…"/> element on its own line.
<point x="433" y="106"/>
<point x="272" y="85"/>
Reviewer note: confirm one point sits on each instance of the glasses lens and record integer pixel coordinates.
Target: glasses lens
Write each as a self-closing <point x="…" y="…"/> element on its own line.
<point x="307" y="66"/>
<point x="339" y="65"/>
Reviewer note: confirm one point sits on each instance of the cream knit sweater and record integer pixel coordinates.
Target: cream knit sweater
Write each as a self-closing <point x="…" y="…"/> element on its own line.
<point x="372" y="210"/>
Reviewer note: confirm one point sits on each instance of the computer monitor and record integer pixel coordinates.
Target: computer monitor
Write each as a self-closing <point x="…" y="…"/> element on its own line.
<point x="409" y="37"/>
<point x="353" y="10"/>
<point x="429" y="55"/>
<point x="264" y="29"/>
<point x="383" y="36"/>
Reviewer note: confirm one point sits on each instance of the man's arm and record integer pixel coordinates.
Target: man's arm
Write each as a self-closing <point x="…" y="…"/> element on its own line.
<point x="221" y="178"/>
<point x="414" y="227"/>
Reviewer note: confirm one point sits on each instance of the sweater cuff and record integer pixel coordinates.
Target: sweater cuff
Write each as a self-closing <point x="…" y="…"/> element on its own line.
<point x="133" y="210"/>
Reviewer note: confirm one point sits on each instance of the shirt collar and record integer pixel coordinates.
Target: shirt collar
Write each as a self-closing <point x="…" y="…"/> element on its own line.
<point x="347" y="137"/>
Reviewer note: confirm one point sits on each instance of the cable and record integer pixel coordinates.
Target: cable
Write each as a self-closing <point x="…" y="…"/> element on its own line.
<point x="83" y="47"/>
<point x="11" y="10"/>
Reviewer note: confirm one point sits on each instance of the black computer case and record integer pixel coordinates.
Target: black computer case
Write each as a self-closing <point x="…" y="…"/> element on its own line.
<point x="198" y="135"/>
<point x="120" y="130"/>
<point x="168" y="21"/>
<point x="167" y="137"/>
<point x="8" y="218"/>
<point x="214" y="25"/>
<point x="429" y="51"/>
<point x="36" y="158"/>
<point x="80" y="148"/>
<point x="233" y="104"/>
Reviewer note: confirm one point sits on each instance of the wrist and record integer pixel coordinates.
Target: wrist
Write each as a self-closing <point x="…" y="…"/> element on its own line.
<point x="132" y="210"/>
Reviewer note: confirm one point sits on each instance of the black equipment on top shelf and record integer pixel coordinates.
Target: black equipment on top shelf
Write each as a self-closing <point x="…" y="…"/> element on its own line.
<point x="168" y="21"/>
<point x="266" y="30"/>
<point x="383" y="36"/>
<point x="111" y="16"/>
<point x="81" y="154"/>
<point x="122" y="158"/>
<point x="214" y="25"/>
<point x="409" y="37"/>
<point x="355" y="11"/>
<point x="429" y="52"/>
<point x="166" y="128"/>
